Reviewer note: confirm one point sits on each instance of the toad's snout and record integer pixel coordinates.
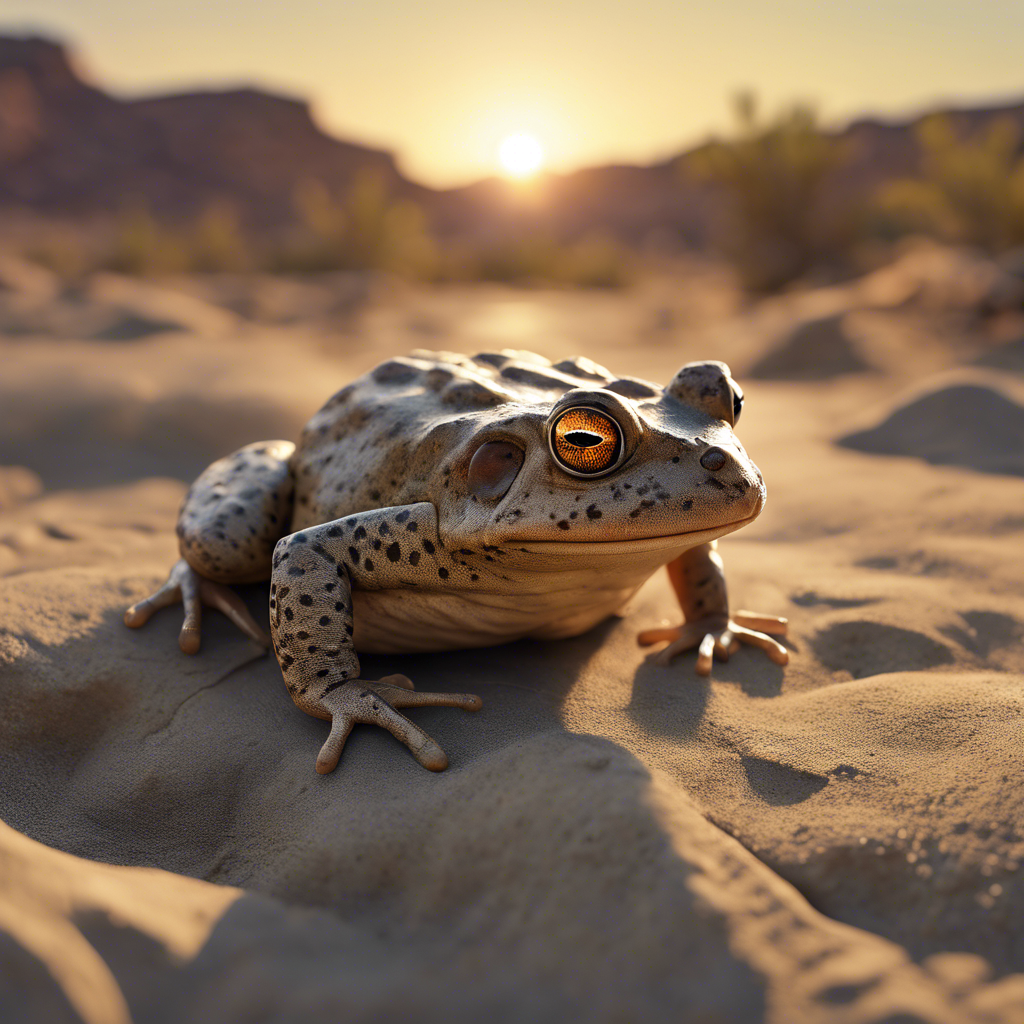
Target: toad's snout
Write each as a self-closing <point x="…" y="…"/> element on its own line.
<point x="735" y="478"/>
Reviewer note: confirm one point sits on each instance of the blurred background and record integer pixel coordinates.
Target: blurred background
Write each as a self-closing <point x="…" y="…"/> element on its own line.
<point x="811" y="191"/>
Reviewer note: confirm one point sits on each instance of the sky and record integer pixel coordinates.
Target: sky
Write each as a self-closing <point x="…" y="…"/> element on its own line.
<point x="442" y="83"/>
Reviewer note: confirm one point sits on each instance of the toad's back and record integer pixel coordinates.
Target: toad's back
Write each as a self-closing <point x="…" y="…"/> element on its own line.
<point x="379" y="440"/>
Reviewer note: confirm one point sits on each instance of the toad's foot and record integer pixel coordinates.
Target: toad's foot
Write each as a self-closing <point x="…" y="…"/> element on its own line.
<point x="721" y="636"/>
<point x="357" y="700"/>
<point x="184" y="584"/>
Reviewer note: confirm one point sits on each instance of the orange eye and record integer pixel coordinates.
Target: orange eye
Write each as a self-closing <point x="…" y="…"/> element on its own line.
<point x="586" y="441"/>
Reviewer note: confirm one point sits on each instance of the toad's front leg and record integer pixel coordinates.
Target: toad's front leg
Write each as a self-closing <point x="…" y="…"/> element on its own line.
<point x="312" y="627"/>
<point x="698" y="579"/>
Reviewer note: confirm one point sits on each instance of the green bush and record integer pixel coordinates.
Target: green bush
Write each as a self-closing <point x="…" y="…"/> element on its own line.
<point x="142" y="245"/>
<point x="369" y="230"/>
<point x="593" y="261"/>
<point x="217" y="242"/>
<point x="971" y="189"/>
<point x="771" y="174"/>
<point x="366" y="229"/>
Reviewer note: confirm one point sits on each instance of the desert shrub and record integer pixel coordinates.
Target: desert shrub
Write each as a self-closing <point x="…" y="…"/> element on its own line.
<point x="142" y="245"/>
<point x="217" y="242"/>
<point x="970" y="190"/>
<point x="594" y="261"/>
<point x="368" y="230"/>
<point x="771" y="174"/>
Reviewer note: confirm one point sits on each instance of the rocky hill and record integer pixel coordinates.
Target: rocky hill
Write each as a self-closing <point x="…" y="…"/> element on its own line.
<point x="69" y="149"/>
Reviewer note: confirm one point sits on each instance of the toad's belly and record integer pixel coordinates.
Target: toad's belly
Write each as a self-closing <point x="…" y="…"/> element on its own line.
<point x="406" y="621"/>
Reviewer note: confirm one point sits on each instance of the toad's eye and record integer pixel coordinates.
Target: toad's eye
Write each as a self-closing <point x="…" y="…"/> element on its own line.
<point x="586" y="441"/>
<point x="493" y="468"/>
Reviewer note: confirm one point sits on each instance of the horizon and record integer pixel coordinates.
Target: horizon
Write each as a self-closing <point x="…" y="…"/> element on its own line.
<point x="413" y="81"/>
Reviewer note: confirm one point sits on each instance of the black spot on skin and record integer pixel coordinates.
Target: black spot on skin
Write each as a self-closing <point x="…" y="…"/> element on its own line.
<point x="428" y="547"/>
<point x="394" y="552"/>
<point x="593" y="512"/>
<point x="338" y="606"/>
<point x="442" y="572"/>
<point x="376" y="544"/>
<point x="675" y="458"/>
<point x="717" y="484"/>
<point x="414" y="558"/>
<point x="325" y="620"/>
<point x="312" y="648"/>
<point x="296" y="571"/>
<point x="402" y="516"/>
<point x="306" y="600"/>
<point x="329" y="587"/>
<point x="360" y="533"/>
<point x="473" y="576"/>
<point x="563" y="524"/>
<point x="369" y="566"/>
<point x="687" y="505"/>
<point x="333" y="686"/>
<point x="411" y="527"/>
<point x="383" y="529"/>
<point x="354" y="555"/>
<point x="465" y="551"/>
<point x="323" y="672"/>
<point x="289" y="614"/>
<point x="302" y="635"/>
<point x="323" y="553"/>
<point x="299" y="538"/>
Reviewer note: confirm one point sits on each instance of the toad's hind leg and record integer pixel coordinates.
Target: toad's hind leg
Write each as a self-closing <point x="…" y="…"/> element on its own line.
<point x="312" y="625"/>
<point x="229" y="522"/>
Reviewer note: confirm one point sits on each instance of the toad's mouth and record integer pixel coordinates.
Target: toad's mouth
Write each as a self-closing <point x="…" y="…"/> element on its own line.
<point x="682" y="541"/>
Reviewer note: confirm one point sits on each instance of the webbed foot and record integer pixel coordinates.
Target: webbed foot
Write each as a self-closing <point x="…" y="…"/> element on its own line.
<point x="374" y="703"/>
<point x="184" y="584"/>
<point x="719" y="636"/>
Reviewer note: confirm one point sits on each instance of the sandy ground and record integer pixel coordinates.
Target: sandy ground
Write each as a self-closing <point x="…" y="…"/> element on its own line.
<point x="836" y="841"/>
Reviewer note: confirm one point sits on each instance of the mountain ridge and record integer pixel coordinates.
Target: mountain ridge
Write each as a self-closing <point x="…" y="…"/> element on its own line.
<point x="69" y="149"/>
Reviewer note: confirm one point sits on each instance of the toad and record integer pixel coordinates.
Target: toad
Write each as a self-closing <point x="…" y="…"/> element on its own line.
<point x="445" y="501"/>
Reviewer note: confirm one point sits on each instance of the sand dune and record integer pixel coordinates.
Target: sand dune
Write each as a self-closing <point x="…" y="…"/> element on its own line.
<point x="836" y="841"/>
<point x="814" y="350"/>
<point x="961" y="425"/>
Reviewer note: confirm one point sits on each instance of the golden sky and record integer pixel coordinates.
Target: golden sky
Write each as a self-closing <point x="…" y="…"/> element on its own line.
<point x="443" y="82"/>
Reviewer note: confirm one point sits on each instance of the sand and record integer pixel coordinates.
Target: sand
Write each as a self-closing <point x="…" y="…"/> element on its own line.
<point x="836" y="841"/>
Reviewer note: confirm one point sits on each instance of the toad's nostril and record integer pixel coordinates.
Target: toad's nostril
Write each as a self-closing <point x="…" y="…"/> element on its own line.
<point x="713" y="459"/>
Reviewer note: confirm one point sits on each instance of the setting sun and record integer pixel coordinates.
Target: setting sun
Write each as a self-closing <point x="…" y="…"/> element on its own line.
<point x="520" y="156"/>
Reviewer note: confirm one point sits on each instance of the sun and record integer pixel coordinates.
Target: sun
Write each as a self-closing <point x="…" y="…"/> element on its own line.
<point x="520" y="156"/>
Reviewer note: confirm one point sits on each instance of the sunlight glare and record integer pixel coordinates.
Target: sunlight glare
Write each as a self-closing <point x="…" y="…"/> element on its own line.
<point x="520" y="156"/>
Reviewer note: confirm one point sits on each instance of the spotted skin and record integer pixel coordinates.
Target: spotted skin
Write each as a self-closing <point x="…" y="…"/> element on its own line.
<point x="236" y="511"/>
<point x="386" y="542"/>
<point x="312" y="623"/>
